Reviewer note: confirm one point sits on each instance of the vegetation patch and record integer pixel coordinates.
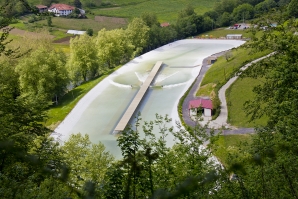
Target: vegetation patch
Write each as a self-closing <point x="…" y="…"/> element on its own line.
<point x="57" y="113"/>
<point x="164" y="9"/>
<point x="225" y="146"/>
<point x="207" y="90"/>
<point x="237" y="94"/>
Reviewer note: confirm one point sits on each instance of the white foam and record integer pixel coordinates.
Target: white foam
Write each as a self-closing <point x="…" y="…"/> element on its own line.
<point x="120" y="85"/>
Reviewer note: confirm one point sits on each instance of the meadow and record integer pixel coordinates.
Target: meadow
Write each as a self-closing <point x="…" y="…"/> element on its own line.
<point x="164" y="9"/>
<point x="237" y="94"/>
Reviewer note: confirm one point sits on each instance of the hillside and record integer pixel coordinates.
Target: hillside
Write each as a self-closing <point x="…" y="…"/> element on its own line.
<point x="166" y="10"/>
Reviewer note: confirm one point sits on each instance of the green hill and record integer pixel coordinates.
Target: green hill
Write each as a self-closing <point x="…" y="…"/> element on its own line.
<point x="166" y="10"/>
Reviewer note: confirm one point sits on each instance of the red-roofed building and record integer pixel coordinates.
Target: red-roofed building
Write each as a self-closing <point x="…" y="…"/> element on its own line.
<point x="165" y="24"/>
<point x="42" y="8"/>
<point x="195" y="105"/>
<point x="63" y="9"/>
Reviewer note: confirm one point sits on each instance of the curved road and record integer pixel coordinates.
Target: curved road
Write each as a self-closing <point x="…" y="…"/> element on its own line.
<point x="221" y="120"/>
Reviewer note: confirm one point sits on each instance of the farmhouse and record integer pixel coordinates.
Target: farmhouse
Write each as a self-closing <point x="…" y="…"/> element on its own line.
<point x="63" y="9"/>
<point x="234" y="36"/>
<point x="42" y="8"/>
<point x="200" y="104"/>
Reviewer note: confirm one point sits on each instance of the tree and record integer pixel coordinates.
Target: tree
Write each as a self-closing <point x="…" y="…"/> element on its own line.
<point x="137" y="33"/>
<point x="150" y="19"/>
<point x="83" y="62"/>
<point x="89" y="32"/>
<point x="42" y="77"/>
<point x="271" y="163"/>
<point x="28" y="157"/>
<point x="225" y="19"/>
<point x="151" y="169"/>
<point x="49" y="21"/>
<point x="77" y="3"/>
<point x="265" y="6"/>
<point x="113" y="47"/>
<point x="293" y="8"/>
<point x="243" y="11"/>
<point x="88" y="162"/>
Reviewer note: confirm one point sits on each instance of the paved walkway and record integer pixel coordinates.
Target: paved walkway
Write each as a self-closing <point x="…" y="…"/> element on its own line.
<point x="221" y="121"/>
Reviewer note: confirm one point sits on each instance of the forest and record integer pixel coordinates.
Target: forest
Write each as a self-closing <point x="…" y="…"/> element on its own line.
<point x="34" y="76"/>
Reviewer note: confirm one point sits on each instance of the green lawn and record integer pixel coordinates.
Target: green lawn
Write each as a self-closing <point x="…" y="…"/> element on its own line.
<point x="166" y="10"/>
<point x="240" y="92"/>
<point x="207" y="90"/>
<point x="221" y="71"/>
<point x="227" y="145"/>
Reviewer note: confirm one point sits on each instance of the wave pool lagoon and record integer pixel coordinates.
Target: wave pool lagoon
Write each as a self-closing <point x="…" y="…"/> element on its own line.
<point x="98" y="112"/>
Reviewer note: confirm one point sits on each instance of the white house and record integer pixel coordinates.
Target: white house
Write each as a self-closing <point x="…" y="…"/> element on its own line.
<point x="200" y="103"/>
<point x="63" y="9"/>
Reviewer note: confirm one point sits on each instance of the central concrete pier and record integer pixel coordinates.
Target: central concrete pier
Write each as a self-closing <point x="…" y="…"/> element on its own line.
<point x="139" y="96"/>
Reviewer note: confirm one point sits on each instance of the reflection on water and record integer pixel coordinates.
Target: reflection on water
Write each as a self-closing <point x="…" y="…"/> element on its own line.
<point x="100" y="117"/>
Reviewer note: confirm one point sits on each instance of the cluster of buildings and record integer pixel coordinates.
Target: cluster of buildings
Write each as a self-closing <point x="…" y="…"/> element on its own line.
<point x="59" y="9"/>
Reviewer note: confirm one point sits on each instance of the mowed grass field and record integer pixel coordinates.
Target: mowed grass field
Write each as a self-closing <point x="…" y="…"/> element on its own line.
<point x="166" y="10"/>
<point x="238" y="93"/>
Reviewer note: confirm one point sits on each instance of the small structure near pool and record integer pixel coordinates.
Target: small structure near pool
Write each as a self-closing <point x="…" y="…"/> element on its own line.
<point x="211" y="60"/>
<point x="200" y="104"/>
<point x="234" y="36"/>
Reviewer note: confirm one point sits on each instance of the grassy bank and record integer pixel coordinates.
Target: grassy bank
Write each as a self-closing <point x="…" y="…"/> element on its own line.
<point x="57" y="113"/>
<point x="237" y="95"/>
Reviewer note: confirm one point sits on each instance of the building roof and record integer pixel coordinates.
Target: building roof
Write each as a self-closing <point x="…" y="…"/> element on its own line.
<point x="204" y="103"/>
<point x="41" y="6"/>
<point x="165" y="24"/>
<point x="61" y="6"/>
<point x="76" y="32"/>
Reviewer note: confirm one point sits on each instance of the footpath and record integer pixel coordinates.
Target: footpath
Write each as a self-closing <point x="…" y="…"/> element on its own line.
<point x="221" y="121"/>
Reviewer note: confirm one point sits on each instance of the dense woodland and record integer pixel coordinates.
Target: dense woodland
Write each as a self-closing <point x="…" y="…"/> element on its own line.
<point x="34" y="76"/>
